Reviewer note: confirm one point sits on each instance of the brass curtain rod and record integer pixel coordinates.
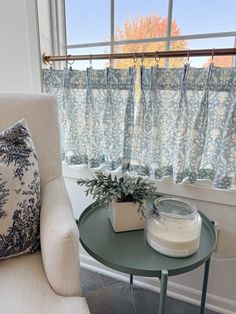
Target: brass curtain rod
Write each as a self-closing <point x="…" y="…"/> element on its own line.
<point x="135" y="55"/>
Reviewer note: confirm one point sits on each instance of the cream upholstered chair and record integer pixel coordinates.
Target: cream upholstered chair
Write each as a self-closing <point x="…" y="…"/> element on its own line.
<point x="47" y="281"/>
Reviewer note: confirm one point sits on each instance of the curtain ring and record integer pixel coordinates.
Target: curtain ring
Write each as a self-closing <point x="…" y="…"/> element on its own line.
<point x="72" y="61"/>
<point x="212" y="56"/>
<point x="157" y="58"/>
<point x="135" y="59"/>
<point x="90" y="60"/>
<point x="187" y="61"/>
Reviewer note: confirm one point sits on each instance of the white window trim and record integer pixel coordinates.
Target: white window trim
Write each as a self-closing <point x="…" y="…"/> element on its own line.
<point x="34" y="45"/>
<point x="197" y="192"/>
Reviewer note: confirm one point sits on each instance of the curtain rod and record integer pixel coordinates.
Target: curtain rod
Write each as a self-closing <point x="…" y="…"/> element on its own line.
<point x="135" y="55"/>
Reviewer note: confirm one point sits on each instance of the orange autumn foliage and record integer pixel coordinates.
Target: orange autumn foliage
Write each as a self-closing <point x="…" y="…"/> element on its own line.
<point x="221" y="61"/>
<point x="144" y="27"/>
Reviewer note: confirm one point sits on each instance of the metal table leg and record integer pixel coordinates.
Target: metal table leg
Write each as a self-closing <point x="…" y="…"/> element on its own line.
<point x="130" y="281"/>
<point x="163" y="291"/>
<point x="204" y="287"/>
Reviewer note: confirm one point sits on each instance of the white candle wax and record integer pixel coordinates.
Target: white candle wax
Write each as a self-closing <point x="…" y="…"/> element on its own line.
<point x="175" y="237"/>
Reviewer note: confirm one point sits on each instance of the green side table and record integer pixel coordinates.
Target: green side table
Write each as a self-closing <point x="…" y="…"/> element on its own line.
<point x="130" y="253"/>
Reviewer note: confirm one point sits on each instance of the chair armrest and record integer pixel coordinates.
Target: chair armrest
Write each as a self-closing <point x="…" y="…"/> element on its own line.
<point x="59" y="238"/>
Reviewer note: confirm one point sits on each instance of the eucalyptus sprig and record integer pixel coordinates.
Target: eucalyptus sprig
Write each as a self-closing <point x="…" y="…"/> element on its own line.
<point x="106" y="189"/>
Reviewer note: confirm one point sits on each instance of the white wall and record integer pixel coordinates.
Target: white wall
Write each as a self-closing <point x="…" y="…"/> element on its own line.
<point x="222" y="279"/>
<point x="19" y="40"/>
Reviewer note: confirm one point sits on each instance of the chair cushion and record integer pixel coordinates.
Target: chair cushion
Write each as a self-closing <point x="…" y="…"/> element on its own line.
<point x="19" y="192"/>
<point x="25" y="289"/>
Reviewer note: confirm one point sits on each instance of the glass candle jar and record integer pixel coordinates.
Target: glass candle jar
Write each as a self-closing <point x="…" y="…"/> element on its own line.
<point x="174" y="227"/>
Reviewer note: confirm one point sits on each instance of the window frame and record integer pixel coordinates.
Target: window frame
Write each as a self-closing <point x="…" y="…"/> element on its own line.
<point x="168" y="38"/>
<point x="195" y="191"/>
<point x="198" y="191"/>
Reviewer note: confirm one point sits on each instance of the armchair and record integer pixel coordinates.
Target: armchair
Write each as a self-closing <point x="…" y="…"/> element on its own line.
<point x="47" y="281"/>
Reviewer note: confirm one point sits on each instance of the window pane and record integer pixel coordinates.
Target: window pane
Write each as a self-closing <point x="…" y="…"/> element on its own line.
<point x="210" y="43"/>
<point x="96" y="64"/>
<point x="87" y="21"/>
<point x="142" y="19"/>
<point x="195" y="17"/>
<point x="224" y="61"/>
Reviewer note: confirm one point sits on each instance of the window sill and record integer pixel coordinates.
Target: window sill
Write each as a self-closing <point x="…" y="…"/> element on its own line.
<point x="197" y="192"/>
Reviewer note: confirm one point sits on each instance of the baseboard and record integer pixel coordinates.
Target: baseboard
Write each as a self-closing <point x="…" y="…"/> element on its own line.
<point x="177" y="291"/>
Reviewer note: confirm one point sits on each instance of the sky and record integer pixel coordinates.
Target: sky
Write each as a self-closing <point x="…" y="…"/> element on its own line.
<point x="89" y="21"/>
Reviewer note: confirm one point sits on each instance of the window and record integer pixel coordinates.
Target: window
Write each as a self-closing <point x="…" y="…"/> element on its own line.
<point x="106" y="26"/>
<point x="109" y="26"/>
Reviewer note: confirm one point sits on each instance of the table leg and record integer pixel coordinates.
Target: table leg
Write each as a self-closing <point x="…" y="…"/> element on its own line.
<point x="204" y="287"/>
<point x="131" y="281"/>
<point x="163" y="291"/>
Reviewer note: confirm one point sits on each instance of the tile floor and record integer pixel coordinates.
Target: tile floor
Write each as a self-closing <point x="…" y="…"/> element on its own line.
<point x="106" y="295"/>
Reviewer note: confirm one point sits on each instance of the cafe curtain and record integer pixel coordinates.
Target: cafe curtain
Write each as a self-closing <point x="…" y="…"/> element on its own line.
<point x="185" y="127"/>
<point x="180" y="125"/>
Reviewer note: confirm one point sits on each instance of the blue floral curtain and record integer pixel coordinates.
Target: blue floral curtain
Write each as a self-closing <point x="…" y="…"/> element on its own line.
<point x="96" y="113"/>
<point x="184" y="128"/>
<point x="186" y="125"/>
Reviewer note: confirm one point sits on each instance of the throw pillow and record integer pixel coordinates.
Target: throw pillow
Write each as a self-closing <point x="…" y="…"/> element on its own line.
<point x="19" y="192"/>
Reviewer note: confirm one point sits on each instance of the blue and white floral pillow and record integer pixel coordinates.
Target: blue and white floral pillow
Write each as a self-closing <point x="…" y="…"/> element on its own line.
<point x="19" y="192"/>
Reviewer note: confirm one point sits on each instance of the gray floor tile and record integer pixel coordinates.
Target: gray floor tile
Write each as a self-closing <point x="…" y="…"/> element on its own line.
<point x="174" y="306"/>
<point x="146" y="301"/>
<point x="108" y="280"/>
<point x="90" y="280"/>
<point x="121" y="298"/>
<point x="106" y="295"/>
<point x="99" y="302"/>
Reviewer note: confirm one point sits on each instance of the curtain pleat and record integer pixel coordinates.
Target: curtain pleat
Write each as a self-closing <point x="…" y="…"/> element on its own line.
<point x="96" y="113"/>
<point x="155" y="122"/>
<point x="129" y="120"/>
<point x="191" y="124"/>
<point x="95" y="106"/>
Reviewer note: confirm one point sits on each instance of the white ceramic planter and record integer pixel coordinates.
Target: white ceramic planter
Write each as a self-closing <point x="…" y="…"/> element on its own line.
<point x="125" y="216"/>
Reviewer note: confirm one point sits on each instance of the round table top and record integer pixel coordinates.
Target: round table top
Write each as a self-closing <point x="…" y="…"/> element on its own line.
<point x="129" y="251"/>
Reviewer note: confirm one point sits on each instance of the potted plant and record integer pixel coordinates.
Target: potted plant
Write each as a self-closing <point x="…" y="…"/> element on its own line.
<point x="125" y="198"/>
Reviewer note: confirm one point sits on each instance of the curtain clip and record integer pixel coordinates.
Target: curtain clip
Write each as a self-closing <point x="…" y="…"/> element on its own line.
<point x="187" y="62"/>
<point x="68" y="62"/>
<point x="142" y="59"/>
<point x="157" y="58"/>
<point x="110" y="60"/>
<point x="212" y="56"/>
<point x="135" y="59"/>
<point x="90" y="60"/>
